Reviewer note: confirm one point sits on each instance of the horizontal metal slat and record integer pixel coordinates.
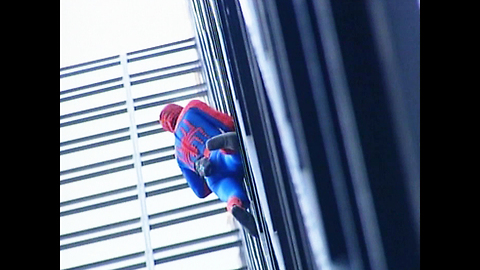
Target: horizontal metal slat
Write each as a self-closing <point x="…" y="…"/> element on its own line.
<point x="196" y="241"/>
<point x="96" y="136"/>
<point x="164" y="180"/>
<point x="93" y="145"/>
<point x="98" y="195"/>
<point x="150" y="132"/>
<point x="99" y="91"/>
<point x="88" y="63"/>
<point x="184" y="209"/>
<point x="95" y="174"/>
<point x="165" y="76"/>
<point x="96" y="109"/>
<point x="64" y="92"/>
<point x="162" y="46"/>
<point x="108" y="261"/>
<point x="171" y="92"/>
<point x="89" y="69"/>
<point x="162" y="53"/>
<point x="188" y="218"/>
<point x="101" y="238"/>
<point x="98" y="205"/>
<point x="157" y="151"/>
<point x="95" y="165"/>
<point x="91" y="118"/>
<point x="167" y="101"/>
<point x="156" y="160"/>
<point x="143" y="73"/>
<point x="166" y="190"/>
<point x="198" y="252"/>
<point x="100" y="228"/>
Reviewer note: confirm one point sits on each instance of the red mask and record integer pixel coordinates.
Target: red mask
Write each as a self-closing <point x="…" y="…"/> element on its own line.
<point x="169" y="115"/>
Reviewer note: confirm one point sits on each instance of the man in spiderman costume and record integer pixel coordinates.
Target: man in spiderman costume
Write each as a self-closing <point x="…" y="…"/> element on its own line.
<point x="206" y="149"/>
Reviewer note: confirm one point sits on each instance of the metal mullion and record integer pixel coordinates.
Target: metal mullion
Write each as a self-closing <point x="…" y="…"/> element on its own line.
<point x="137" y="164"/>
<point x="162" y="53"/>
<point x="96" y="165"/>
<point x="220" y="52"/>
<point x="198" y="23"/>
<point x="206" y="42"/>
<point x="196" y="241"/>
<point x="254" y="254"/>
<point x="399" y="56"/>
<point x="158" y="103"/>
<point x="187" y="218"/>
<point x="100" y="228"/>
<point x="143" y="73"/>
<point x="98" y="195"/>
<point x="198" y="40"/>
<point x="93" y="145"/>
<point x="108" y="261"/>
<point x="96" y="109"/>
<point x="71" y="90"/>
<point x="95" y="174"/>
<point x="350" y="242"/>
<point x="349" y="129"/>
<point x="198" y="252"/>
<point x="73" y="73"/>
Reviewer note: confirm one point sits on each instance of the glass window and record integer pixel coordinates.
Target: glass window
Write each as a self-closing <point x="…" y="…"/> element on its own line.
<point x="86" y="78"/>
<point x="98" y="185"/>
<point x="103" y="209"/>
<point x="186" y="55"/>
<point x="93" y="127"/>
<point x="102" y="250"/>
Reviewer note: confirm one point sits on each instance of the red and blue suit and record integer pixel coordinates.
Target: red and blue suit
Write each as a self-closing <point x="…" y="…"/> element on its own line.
<point x="192" y="127"/>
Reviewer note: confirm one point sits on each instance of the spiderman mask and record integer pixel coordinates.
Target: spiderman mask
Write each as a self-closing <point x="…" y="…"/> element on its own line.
<point x="169" y="116"/>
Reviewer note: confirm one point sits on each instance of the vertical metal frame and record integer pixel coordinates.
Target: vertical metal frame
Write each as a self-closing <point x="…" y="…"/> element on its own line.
<point x="343" y="84"/>
<point x="137" y="164"/>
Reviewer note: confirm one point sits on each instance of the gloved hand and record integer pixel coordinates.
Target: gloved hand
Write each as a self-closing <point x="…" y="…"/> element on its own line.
<point x="203" y="166"/>
<point x="228" y="141"/>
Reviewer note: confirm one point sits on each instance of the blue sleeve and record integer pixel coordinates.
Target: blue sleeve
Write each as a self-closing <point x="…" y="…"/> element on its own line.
<point x="196" y="183"/>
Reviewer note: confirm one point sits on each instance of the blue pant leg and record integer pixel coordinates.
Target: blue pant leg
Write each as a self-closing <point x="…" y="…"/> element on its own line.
<point x="226" y="187"/>
<point x="227" y="164"/>
<point x="227" y="176"/>
<point x="233" y="163"/>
